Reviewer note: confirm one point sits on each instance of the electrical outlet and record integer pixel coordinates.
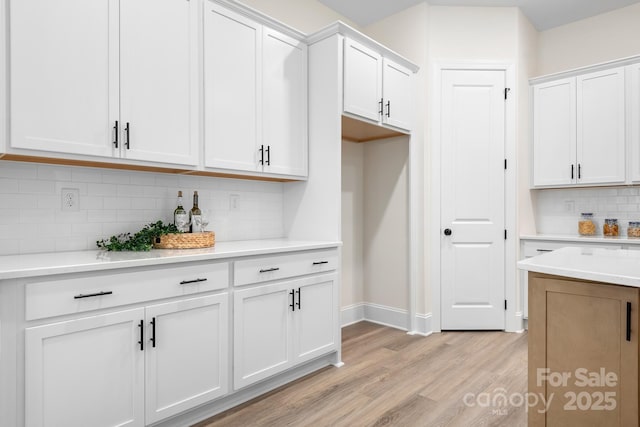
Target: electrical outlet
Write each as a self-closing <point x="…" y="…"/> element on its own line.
<point x="70" y="199"/>
<point x="569" y="206"/>
<point x="234" y="202"/>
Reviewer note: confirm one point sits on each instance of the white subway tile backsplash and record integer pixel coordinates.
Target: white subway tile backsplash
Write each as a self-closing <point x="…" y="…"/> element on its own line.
<point x="552" y="217"/>
<point x="114" y="202"/>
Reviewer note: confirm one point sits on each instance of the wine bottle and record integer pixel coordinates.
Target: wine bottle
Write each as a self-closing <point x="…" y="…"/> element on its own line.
<point x="195" y="215"/>
<point x="180" y="216"/>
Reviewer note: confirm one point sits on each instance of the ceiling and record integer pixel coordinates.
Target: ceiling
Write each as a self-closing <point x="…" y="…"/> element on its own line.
<point x="543" y="14"/>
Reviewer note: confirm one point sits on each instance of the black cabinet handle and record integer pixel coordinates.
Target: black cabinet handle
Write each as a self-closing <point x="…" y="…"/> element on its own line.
<point x="153" y="333"/>
<point x="268" y="155"/>
<point x="628" y="321"/>
<point x="97" y="294"/>
<point x="579" y="171"/>
<point x="572" y="166"/>
<point x="388" y="108"/>
<point x="380" y="106"/>
<point x="141" y="342"/>
<point x="320" y="262"/>
<point x="126" y="131"/>
<point x="544" y="250"/>
<point x="299" y="299"/>
<point x="185" y="282"/>
<point x="267" y="270"/>
<point x="447" y="232"/>
<point x="293" y="300"/>
<point x="115" y="129"/>
<point x="261" y="154"/>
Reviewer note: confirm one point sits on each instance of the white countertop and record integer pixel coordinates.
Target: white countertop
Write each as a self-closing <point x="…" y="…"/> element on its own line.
<point x="584" y="239"/>
<point x="29" y="265"/>
<point x="616" y="266"/>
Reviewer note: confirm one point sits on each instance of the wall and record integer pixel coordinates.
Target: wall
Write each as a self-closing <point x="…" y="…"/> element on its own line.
<point x="352" y="223"/>
<point x="390" y="167"/>
<point x="307" y="16"/>
<point x="558" y="210"/>
<point x="113" y="202"/>
<point x="604" y="37"/>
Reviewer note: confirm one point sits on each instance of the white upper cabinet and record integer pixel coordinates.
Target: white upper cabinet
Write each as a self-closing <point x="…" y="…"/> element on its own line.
<point x="255" y="81"/>
<point x="362" y="81"/>
<point x="579" y="130"/>
<point x="284" y="105"/>
<point x="601" y="127"/>
<point x="633" y="73"/>
<point x="159" y="80"/>
<point x="554" y="134"/>
<point x="106" y="78"/>
<point x="397" y="94"/>
<point x="233" y="90"/>
<point x="64" y="75"/>
<point x="376" y="88"/>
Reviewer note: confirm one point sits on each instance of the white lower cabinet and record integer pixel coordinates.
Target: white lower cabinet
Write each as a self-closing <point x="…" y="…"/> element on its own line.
<point x="186" y="354"/>
<point x="280" y="325"/>
<point x="127" y="368"/>
<point x="85" y="372"/>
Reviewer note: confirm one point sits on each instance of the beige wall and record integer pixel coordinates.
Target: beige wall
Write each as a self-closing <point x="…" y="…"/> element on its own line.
<point x="601" y="38"/>
<point x="307" y="16"/>
<point x="352" y="223"/>
<point x="386" y="164"/>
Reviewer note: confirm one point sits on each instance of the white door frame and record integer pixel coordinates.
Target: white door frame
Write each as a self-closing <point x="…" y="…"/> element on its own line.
<point x="513" y="314"/>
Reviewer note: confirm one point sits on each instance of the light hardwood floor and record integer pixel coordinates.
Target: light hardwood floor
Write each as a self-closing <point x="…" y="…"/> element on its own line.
<point x="394" y="379"/>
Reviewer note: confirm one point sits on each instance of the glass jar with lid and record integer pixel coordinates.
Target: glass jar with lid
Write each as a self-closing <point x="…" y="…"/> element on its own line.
<point x="586" y="226"/>
<point x="610" y="228"/>
<point x="634" y="229"/>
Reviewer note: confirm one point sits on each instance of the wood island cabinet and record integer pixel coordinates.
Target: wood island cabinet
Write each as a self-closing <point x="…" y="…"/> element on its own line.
<point x="583" y="352"/>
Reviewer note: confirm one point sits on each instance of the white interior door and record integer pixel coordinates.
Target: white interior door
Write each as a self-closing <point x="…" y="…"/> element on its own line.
<point x="472" y="200"/>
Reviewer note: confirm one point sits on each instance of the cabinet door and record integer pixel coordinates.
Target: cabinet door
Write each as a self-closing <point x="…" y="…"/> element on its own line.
<point x="64" y="75"/>
<point x="159" y="84"/>
<point x="262" y="333"/>
<point x="633" y="73"/>
<point x="397" y="93"/>
<point x="316" y="317"/>
<point x="362" y="81"/>
<point x="232" y="90"/>
<point x="85" y="372"/>
<point x="601" y="127"/>
<point x="186" y="354"/>
<point x="284" y="109"/>
<point x="554" y="133"/>
<point x="583" y="330"/>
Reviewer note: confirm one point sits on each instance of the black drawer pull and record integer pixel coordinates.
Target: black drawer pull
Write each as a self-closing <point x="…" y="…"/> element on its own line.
<point x="153" y="332"/>
<point x="628" y="321"/>
<point x="544" y="250"/>
<point x="320" y="262"/>
<point x="266" y="270"/>
<point x="185" y="282"/>
<point x="97" y="294"/>
<point x="293" y="300"/>
<point x="141" y="342"/>
<point x="299" y="303"/>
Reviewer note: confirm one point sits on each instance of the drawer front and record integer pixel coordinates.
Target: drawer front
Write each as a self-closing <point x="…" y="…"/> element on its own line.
<point x="80" y="293"/>
<point x="533" y="248"/>
<point x="275" y="267"/>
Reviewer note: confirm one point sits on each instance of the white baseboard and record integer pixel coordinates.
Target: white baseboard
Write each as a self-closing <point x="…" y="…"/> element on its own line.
<point x="387" y="316"/>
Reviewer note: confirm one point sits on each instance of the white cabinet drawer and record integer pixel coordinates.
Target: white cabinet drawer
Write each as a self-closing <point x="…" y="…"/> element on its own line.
<point x="533" y="248"/>
<point x="85" y="292"/>
<point x="267" y="268"/>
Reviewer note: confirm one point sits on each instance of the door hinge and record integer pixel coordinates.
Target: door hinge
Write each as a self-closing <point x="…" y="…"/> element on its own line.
<point x="505" y="304"/>
<point x="506" y="92"/>
<point x="505" y="234"/>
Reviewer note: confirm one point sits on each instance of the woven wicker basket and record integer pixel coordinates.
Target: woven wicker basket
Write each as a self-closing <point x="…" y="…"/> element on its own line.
<point x="185" y="240"/>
